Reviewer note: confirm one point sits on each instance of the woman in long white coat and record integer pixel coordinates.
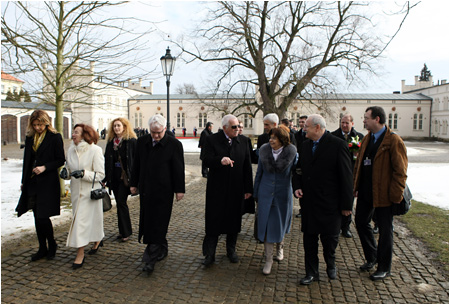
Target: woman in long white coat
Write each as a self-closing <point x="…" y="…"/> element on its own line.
<point x="84" y="158"/>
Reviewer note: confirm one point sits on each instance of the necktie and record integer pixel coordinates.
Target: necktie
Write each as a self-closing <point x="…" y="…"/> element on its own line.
<point x="229" y="141"/>
<point x="314" y="147"/>
<point x="346" y="137"/>
<point x="373" y="139"/>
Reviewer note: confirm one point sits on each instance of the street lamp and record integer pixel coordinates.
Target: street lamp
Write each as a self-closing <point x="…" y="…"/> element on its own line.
<point x="168" y="65"/>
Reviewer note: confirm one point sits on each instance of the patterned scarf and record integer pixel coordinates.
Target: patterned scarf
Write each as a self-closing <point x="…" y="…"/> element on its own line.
<point x="117" y="142"/>
<point x="38" y="138"/>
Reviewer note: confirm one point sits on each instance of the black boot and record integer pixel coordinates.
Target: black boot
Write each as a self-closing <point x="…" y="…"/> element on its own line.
<point x="40" y="225"/>
<point x="209" y="249"/>
<point x="231" y="248"/>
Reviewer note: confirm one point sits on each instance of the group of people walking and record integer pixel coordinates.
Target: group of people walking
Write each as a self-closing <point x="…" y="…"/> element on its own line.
<point x="318" y="169"/>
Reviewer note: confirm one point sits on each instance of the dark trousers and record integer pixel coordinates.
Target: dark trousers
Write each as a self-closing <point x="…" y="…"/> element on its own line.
<point x="44" y="232"/>
<point x="383" y="252"/>
<point x="154" y="251"/>
<point x="123" y="213"/>
<point x="311" y="246"/>
<point x="204" y="169"/>
<point x="210" y="244"/>
<point x="346" y="221"/>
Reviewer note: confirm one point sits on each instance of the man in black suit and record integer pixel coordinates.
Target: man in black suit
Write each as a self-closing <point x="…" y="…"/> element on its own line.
<point x="205" y="133"/>
<point x="270" y="121"/>
<point x="323" y="181"/>
<point x="300" y="136"/>
<point x="346" y="132"/>
<point x="158" y="173"/>
<point x="230" y="181"/>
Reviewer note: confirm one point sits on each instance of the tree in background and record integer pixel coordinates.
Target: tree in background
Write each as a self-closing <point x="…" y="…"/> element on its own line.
<point x="287" y="50"/>
<point x="186" y="89"/>
<point x="60" y="42"/>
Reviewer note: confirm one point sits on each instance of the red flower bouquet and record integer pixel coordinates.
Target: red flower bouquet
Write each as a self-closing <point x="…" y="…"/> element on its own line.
<point x="354" y="145"/>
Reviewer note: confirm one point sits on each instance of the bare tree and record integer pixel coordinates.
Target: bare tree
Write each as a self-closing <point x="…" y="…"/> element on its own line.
<point x="186" y="89"/>
<point x="286" y="50"/>
<point x="58" y="43"/>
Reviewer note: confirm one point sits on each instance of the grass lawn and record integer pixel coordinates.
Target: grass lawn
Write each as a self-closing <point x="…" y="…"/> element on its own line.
<point x="430" y="224"/>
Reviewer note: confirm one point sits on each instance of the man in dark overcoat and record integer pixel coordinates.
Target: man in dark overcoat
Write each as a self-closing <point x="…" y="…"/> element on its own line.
<point x="346" y="132"/>
<point x="230" y="181"/>
<point x="323" y="181"/>
<point x="203" y="135"/>
<point x="158" y="173"/>
<point x="300" y="136"/>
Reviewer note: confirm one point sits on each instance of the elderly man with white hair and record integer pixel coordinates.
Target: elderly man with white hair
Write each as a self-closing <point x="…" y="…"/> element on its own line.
<point x="323" y="181"/>
<point x="158" y="173"/>
<point x="230" y="181"/>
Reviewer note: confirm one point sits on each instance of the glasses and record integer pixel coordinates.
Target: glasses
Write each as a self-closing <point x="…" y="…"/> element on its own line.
<point x="234" y="126"/>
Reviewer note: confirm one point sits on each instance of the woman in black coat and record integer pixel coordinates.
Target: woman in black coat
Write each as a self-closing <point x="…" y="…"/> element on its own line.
<point x="119" y="154"/>
<point x="43" y="155"/>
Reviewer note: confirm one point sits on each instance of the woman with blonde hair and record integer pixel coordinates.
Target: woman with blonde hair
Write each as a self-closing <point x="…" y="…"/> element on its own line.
<point x="85" y="164"/>
<point x="43" y="155"/>
<point x="119" y="154"/>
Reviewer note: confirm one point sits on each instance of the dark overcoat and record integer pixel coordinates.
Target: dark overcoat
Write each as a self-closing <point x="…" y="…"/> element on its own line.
<point x="326" y="181"/>
<point x="158" y="172"/>
<point x="130" y="148"/>
<point x="51" y="154"/>
<point x="226" y="185"/>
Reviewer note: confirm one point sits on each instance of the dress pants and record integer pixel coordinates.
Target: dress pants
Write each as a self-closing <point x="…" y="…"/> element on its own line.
<point x="204" y="169"/>
<point x="311" y="246"/>
<point x="383" y="253"/>
<point x="210" y="244"/>
<point x="123" y="213"/>
<point x="44" y="232"/>
<point x="346" y="221"/>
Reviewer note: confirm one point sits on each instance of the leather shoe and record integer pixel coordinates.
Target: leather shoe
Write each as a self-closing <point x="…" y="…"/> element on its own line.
<point x="149" y="267"/>
<point x="379" y="275"/>
<point x="309" y="279"/>
<point x="209" y="260"/>
<point x="78" y="266"/>
<point x="234" y="258"/>
<point x="94" y="250"/>
<point x="52" y="251"/>
<point x="331" y="272"/>
<point x="38" y="255"/>
<point x="346" y="233"/>
<point x="367" y="266"/>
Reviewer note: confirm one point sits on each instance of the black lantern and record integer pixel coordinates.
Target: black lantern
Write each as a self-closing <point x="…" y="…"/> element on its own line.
<point x="168" y="65"/>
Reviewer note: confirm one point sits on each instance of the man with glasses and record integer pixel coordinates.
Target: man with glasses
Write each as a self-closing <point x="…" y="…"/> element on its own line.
<point x="158" y="173"/>
<point x="230" y="181"/>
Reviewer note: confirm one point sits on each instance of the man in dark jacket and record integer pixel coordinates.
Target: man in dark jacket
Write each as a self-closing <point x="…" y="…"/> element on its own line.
<point x="158" y="172"/>
<point x="300" y="136"/>
<point x="323" y="181"/>
<point x="230" y="181"/>
<point x="205" y="133"/>
<point x="346" y="132"/>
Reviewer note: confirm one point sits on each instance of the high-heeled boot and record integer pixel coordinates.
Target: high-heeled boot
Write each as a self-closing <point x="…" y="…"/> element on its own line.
<point x="268" y="251"/>
<point x="279" y="252"/>
<point x="40" y="232"/>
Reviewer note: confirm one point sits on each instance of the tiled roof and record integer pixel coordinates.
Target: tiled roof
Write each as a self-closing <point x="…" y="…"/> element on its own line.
<point x="7" y="76"/>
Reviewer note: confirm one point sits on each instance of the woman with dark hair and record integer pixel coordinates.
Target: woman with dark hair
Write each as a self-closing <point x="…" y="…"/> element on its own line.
<point x="84" y="162"/>
<point x="119" y="155"/>
<point x="273" y="193"/>
<point x="43" y="155"/>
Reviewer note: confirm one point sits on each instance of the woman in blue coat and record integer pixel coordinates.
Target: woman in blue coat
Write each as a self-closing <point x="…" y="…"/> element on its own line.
<point x="273" y="193"/>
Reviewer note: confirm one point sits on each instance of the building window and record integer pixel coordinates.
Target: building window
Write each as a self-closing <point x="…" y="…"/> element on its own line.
<point x="181" y="119"/>
<point x="202" y="120"/>
<point x="248" y="121"/>
<point x="393" y="120"/>
<point x="418" y="121"/>
<point x="445" y="127"/>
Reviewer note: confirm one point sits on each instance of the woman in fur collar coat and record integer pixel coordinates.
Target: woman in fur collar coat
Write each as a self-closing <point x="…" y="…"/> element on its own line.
<point x="273" y="192"/>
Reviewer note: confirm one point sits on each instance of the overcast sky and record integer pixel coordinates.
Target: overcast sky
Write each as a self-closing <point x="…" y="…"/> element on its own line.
<point x="422" y="39"/>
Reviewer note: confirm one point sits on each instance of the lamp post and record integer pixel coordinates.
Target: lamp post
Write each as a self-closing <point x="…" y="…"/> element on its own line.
<point x="168" y="65"/>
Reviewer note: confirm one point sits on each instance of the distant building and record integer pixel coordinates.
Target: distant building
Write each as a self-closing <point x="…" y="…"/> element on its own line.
<point x="11" y="84"/>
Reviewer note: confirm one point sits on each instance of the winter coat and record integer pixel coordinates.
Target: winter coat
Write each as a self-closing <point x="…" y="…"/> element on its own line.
<point x="51" y="154"/>
<point x="226" y="185"/>
<point x="87" y="214"/>
<point x="326" y="181"/>
<point x="273" y="191"/>
<point x="158" y="172"/>
<point x="130" y="148"/>
<point x="388" y="169"/>
<point x="205" y="133"/>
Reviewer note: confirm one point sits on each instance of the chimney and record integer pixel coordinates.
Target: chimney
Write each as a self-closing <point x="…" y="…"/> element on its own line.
<point x="443" y="82"/>
<point x="151" y="87"/>
<point x="92" y="66"/>
<point x="140" y="82"/>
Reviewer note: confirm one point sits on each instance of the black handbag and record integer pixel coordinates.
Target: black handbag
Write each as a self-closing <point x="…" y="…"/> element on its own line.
<point x="98" y="193"/>
<point x="106" y="203"/>
<point x="405" y="205"/>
